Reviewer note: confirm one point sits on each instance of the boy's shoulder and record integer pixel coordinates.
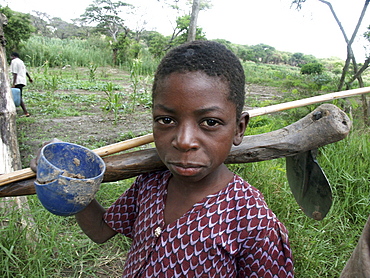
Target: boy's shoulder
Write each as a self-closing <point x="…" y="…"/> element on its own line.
<point x="241" y="186"/>
<point x="249" y="203"/>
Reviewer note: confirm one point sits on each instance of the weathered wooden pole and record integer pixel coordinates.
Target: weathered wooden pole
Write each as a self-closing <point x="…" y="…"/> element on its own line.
<point x="9" y="150"/>
<point x="325" y="125"/>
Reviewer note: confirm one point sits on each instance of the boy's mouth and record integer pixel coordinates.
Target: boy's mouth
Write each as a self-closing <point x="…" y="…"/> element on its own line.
<point x="186" y="169"/>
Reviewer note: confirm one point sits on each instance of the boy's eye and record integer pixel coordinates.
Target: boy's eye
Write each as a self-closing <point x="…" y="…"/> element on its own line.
<point x="165" y="121"/>
<point x="210" y="122"/>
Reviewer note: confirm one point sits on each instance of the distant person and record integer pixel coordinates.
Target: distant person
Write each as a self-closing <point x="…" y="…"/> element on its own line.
<point x="19" y="72"/>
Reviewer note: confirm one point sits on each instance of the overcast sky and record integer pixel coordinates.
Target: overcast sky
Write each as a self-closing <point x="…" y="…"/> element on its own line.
<point x="312" y="30"/>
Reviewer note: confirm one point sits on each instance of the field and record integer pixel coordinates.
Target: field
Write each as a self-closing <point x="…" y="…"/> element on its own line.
<point x="100" y="106"/>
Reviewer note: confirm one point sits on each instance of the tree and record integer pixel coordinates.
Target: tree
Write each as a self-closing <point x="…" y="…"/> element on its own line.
<point x="64" y="30"/>
<point x="193" y="20"/>
<point x="9" y="145"/>
<point x="19" y="28"/>
<point x="41" y="23"/>
<point x="156" y="42"/>
<point x="197" y="5"/>
<point x="9" y="150"/>
<point x="350" y="55"/>
<point x="180" y="32"/>
<point x="261" y="53"/>
<point x="106" y="14"/>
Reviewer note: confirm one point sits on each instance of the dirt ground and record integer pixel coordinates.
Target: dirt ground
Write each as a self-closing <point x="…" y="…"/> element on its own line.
<point x="97" y="125"/>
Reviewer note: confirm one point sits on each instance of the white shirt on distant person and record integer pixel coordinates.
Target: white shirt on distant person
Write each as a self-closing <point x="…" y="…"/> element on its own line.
<point x="17" y="66"/>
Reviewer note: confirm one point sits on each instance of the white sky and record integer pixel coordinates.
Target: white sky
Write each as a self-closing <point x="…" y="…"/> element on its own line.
<point x="312" y="30"/>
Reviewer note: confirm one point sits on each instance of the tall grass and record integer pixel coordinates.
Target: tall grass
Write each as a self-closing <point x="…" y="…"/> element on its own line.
<point x="60" y="249"/>
<point x="39" y="51"/>
<point x="288" y="78"/>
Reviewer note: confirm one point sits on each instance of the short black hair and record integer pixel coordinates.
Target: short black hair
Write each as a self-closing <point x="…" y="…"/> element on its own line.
<point x="212" y="58"/>
<point x="15" y="54"/>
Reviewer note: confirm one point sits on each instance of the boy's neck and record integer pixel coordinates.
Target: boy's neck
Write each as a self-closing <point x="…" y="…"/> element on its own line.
<point x="181" y="196"/>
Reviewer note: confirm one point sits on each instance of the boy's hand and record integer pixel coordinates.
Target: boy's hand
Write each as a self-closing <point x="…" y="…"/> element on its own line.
<point x="33" y="162"/>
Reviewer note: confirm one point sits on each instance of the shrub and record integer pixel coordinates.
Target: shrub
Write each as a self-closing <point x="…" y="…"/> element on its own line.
<point x="312" y="68"/>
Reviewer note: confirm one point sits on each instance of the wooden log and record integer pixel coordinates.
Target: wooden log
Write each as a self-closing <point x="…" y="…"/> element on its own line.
<point x="325" y="125"/>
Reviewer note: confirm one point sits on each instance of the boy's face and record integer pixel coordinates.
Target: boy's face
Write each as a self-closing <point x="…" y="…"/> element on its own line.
<point x="194" y="124"/>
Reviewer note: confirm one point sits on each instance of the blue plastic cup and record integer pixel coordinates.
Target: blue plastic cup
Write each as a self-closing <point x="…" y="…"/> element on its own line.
<point x="68" y="177"/>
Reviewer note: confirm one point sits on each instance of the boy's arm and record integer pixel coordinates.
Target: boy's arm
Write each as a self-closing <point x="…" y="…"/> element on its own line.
<point x="14" y="79"/>
<point x="29" y="77"/>
<point x="92" y="223"/>
<point x="271" y="248"/>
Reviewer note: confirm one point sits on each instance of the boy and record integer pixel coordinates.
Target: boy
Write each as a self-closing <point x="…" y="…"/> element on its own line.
<point x="196" y="219"/>
<point x="20" y="73"/>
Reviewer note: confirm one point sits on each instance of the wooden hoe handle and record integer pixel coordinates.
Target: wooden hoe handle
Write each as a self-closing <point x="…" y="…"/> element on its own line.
<point x="135" y="142"/>
<point x="325" y="125"/>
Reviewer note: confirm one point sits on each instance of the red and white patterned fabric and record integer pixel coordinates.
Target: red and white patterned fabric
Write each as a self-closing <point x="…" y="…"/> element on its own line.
<point x="229" y="234"/>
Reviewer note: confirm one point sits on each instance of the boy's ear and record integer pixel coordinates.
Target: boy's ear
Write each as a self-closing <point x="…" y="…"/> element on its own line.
<point x="240" y="128"/>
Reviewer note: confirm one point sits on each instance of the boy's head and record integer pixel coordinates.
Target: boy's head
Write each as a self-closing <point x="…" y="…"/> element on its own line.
<point x="210" y="57"/>
<point x="14" y="54"/>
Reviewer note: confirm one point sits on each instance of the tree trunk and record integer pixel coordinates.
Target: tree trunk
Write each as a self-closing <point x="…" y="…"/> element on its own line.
<point x="9" y="150"/>
<point x="115" y="53"/>
<point x="193" y="21"/>
<point x="351" y="57"/>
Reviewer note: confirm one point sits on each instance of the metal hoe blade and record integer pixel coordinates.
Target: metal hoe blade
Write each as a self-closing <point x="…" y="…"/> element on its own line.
<point x="309" y="185"/>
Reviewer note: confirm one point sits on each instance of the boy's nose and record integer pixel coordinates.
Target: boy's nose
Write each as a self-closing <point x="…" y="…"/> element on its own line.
<point x="185" y="138"/>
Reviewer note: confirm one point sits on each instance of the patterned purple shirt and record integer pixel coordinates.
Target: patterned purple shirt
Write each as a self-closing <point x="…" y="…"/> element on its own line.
<point x="228" y="234"/>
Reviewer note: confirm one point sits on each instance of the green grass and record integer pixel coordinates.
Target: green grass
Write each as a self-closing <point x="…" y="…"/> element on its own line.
<point x="60" y="249"/>
<point x="289" y="78"/>
<point x="55" y="52"/>
<point x="54" y="105"/>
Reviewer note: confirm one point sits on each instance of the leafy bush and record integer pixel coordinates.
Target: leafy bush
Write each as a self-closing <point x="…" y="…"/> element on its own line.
<point x="321" y="79"/>
<point x="312" y="68"/>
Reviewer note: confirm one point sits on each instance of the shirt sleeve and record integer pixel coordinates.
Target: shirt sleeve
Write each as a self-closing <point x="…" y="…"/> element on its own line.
<point x="270" y="255"/>
<point x="122" y="215"/>
<point x="14" y="67"/>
